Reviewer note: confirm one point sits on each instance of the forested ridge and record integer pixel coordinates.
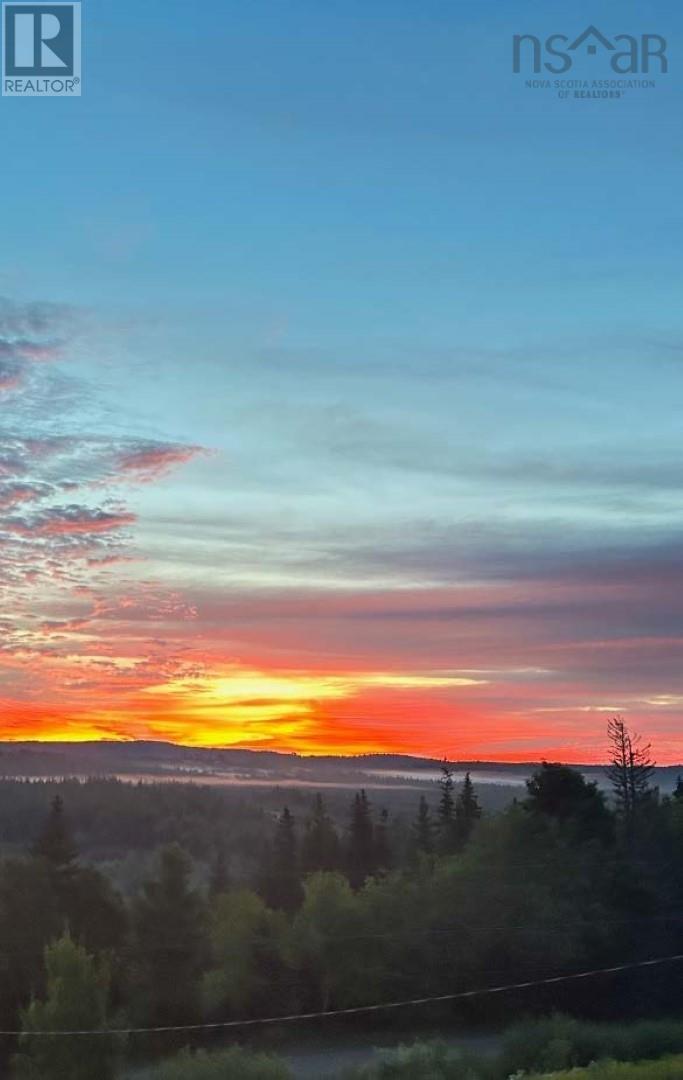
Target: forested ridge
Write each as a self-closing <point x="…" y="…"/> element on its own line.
<point x="310" y="909"/>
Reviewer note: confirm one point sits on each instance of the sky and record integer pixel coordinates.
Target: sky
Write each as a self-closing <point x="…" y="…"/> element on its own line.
<point x="340" y="385"/>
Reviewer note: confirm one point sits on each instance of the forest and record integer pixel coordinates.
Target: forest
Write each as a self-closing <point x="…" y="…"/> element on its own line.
<point x="137" y="907"/>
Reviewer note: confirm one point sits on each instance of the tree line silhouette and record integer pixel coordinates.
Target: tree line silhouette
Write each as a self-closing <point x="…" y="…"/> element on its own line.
<point x="341" y="914"/>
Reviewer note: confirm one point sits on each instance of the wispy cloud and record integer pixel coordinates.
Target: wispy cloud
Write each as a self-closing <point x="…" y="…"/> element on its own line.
<point x="274" y="614"/>
<point x="148" y="461"/>
<point x="66" y="525"/>
<point x="29" y="334"/>
<point x="70" y="520"/>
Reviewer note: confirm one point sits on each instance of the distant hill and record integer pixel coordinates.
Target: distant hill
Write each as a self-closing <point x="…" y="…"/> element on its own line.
<point x="162" y="759"/>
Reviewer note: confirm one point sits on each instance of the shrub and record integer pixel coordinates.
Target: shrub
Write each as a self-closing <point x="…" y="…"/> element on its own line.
<point x="670" y="1068"/>
<point x="561" y="1042"/>
<point x="234" y="1064"/>
<point x="421" y="1061"/>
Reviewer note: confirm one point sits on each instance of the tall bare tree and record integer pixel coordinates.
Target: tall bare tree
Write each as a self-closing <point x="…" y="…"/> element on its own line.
<point x="630" y="768"/>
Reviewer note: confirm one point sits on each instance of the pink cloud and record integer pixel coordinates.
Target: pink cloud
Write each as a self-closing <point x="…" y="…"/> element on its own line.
<point x="14" y="493"/>
<point x="10" y="372"/>
<point x="70" y="521"/>
<point x="152" y="460"/>
<point x="103" y="561"/>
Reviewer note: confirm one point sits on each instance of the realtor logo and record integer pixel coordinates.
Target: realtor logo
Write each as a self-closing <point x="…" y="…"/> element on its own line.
<point x="627" y="55"/>
<point x="41" y="50"/>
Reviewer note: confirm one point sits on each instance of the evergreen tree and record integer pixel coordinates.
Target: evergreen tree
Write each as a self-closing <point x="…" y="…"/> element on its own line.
<point x="448" y="839"/>
<point x="283" y="889"/>
<point x="467" y="811"/>
<point x="55" y="843"/>
<point x="76" y="1000"/>
<point x="320" y="848"/>
<point x="218" y="878"/>
<point x="361" y="853"/>
<point x="561" y="792"/>
<point x="29" y="920"/>
<point x="169" y="927"/>
<point x="382" y="854"/>
<point x="678" y="790"/>
<point x="423" y="828"/>
<point x="92" y="909"/>
<point x="83" y="897"/>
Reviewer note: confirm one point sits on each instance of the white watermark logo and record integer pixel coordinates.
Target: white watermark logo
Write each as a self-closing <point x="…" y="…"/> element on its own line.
<point x="41" y="49"/>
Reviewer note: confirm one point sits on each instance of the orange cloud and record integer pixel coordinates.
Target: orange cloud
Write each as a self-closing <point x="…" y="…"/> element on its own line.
<point x="70" y="521"/>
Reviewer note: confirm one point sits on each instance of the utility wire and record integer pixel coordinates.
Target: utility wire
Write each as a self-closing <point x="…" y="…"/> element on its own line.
<point x="354" y="1010"/>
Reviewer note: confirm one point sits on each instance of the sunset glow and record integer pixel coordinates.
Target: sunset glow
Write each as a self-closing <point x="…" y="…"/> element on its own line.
<point x="335" y="421"/>
<point x="120" y="623"/>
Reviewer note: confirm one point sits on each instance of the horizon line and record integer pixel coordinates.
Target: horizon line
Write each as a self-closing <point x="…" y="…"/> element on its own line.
<point x="124" y="741"/>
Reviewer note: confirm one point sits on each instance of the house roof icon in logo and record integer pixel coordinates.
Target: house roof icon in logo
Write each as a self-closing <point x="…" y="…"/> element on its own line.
<point x="591" y="32"/>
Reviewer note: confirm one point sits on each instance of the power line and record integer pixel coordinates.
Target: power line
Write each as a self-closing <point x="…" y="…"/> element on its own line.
<point x="353" y="1010"/>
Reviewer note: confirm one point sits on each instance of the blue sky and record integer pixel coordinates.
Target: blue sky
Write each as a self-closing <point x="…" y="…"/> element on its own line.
<point x="417" y="326"/>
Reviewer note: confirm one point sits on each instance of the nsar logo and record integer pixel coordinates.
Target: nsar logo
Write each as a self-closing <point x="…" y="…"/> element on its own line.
<point x="41" y="54"/>
<point x="628" y="55"/>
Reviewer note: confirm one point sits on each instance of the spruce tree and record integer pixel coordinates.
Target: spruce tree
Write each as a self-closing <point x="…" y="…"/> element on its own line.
<point x="382" y="853"/>
<point x="55" y="843"/>
<point x="84" y="897"/>
<point x="320" y="848"/>
<point x="423" y="828"/>
<point x="283" y="889"/>
<point x="169" y="930"/>
<point x="448" y="840"/>
<point x="219" y="879"/>
<point x="361" y="854"/>
<point x="467" y="811"/>
<point x="563" y="793"/>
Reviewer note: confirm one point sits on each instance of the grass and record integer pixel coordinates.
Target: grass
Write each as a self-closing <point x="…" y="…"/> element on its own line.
<point x="233" y="1064"/>
<point x="670" y="1068"/>
<point x="561" y="1042"/>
